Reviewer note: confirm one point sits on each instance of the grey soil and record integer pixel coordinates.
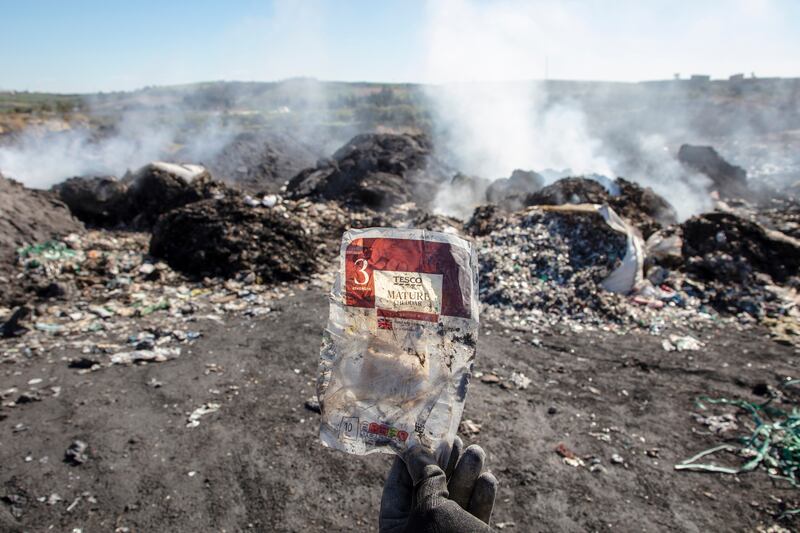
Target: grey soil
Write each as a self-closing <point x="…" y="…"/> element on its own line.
<point x="257" y="464"/>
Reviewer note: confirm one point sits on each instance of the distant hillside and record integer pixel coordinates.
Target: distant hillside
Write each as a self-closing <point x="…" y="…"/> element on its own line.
<point x="718" y="104"/>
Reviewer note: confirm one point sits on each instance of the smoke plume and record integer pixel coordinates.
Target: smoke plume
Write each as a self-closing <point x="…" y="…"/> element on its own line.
<point x="488" y="122"/>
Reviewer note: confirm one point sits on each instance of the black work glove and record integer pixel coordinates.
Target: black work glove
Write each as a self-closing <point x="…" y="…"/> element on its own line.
<point x="419" y="496"/>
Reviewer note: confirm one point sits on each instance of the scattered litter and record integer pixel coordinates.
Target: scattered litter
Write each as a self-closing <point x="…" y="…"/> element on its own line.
<point x="312" y="404"/>
<point x="520" y="380"/>
<point x="72" y="507"/>
<point x="469" y="428"/>
<point x="568" y="456"/>
<point x="76" y="453"/>
<point x="158" y="355"/>
<point x="774" y="443"/>
<point x="194" y="417"/>
<point x="490" y="378"/>
<point x="682" y="344"/>
<point x="718" y="424"/>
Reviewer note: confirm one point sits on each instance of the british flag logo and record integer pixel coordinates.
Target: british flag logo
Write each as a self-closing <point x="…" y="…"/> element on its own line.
<point x="384" y="323"/>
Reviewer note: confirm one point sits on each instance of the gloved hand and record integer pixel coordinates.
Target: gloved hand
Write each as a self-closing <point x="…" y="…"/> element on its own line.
<point x="419" y="496"/>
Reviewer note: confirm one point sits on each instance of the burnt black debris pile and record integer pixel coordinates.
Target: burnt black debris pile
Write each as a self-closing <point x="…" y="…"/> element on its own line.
<point x="373" y="171"/>
<point x="781" y="214"/>
<point x="261" y="162"/>
<point x="540" y="266"/>
<point x="740" y="263"/>
<point x="228" y="236"/>
<point x="138" y="199"/>
<point x="640" y="205"/>
<point x="189" y="243"/>
<point x="511" y="192"/>
<point x="27" y="217"/>
<point x="98" y="200"/>
<point x="576" y="190"/>
<point x="123" y="306"/>
<point x="160" y="187"/>
<point x="728" y="180"/>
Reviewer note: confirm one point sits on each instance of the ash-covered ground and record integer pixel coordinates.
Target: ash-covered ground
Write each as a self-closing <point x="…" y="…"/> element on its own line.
<point x="160" y="332"/>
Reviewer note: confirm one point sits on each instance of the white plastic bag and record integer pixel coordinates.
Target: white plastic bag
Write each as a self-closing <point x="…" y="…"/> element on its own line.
<point x="397" y="353"/>
<point x="629" y="273"/>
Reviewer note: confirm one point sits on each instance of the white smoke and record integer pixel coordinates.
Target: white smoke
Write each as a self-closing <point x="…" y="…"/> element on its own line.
<point x="40" y="158"/>
<point x="493" y="128"/>
<point x="488" y="122"/>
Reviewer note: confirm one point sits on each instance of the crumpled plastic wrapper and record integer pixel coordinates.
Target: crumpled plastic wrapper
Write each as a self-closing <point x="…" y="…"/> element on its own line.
<point x="398" y="350"/>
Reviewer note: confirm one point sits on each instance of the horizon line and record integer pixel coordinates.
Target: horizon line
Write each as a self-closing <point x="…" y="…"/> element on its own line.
<point x="701" y="78"/>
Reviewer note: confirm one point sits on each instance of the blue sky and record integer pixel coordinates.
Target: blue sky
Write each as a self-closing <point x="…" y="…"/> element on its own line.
<point x="90" y="45"/>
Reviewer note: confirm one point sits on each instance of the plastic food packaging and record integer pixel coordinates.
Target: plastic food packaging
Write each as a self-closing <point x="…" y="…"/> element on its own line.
<point x="398" y="350"/>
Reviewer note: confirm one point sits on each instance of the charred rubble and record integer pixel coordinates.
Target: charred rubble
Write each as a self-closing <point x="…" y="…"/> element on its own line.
<point x="373" y="171"/>
<point x="538" y="265"/>
<point x="99" y="200"/>
<point x="227" y="236"/>
<point x="27" y="216"/>
<point x="640" y="205"/>
<point x="511" y="192"/>
<point x="139" y="198"/>
<point x="546" y="252"/>
<point x="259" y="162"/>
<point x="728" y="180"/>
<point x="740" y="263"/>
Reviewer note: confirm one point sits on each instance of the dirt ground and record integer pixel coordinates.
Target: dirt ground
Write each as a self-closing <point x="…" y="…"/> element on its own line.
<point x="257" y="463"/>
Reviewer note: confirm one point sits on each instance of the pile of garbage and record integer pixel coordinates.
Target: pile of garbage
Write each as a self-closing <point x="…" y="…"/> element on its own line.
<point x="27" y="216"/>
<point x="511" y="192"/>
<point x="736" y="265"/>
<point x="116" y="304"/>
<point x="549" y="264"/>
<point x="543" y="266"/>
<point x="641" y="206"/>
<point x="575" y="252"/>
<point x="259" y="161"/>
<point x="373" y="171"/>
<point x="227" y="236"/>
<point x="728" y="180"/>
<point x="138" y="199"/>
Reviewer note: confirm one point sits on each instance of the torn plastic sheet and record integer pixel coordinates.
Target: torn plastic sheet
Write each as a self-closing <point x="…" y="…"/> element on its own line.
<point x="629" y="273"/>
<point x="398" y="349"/>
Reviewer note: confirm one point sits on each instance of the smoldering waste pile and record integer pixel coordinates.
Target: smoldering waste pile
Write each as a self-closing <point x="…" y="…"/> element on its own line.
<point x="259" y="162"/>
<point x="539" y="266"/>
<point x="139" y="198"/>
<point x="542" y="266"/>
<point x="107" y="297"/>
<point x="27" y="216"/>
<point x="641" y="206"/>
<point x="373" y="171"/>
<point x="740" y="265"/>
<point x="226" y="236"/>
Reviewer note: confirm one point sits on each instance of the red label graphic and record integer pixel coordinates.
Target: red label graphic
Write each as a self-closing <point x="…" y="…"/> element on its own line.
<point x="364" y="256"/>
